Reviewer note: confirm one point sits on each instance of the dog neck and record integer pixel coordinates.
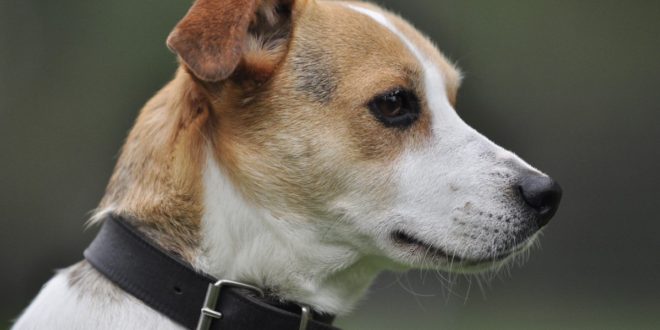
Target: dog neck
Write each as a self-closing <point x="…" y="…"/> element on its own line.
<point x="169" y="181"/>
<point x="246" y="243"/>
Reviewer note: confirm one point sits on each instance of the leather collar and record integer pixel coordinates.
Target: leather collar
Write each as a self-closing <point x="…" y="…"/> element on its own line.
<point x="171" y="287"/>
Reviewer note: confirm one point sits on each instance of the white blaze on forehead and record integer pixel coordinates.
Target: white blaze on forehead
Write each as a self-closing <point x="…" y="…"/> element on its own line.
<point x="433" y="80"/>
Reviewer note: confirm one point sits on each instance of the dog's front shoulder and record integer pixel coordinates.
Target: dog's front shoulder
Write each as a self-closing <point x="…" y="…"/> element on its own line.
<point x="78" y="297"/>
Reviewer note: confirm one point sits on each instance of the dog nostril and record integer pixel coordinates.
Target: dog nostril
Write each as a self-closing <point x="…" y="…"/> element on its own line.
<point x="542" y="194"/>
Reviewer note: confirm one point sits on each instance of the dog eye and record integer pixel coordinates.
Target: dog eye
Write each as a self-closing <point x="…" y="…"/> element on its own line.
<point x="396" y="108"/>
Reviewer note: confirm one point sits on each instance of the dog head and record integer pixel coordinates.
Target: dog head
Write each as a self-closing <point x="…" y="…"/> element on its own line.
<point x="340" y="116"/>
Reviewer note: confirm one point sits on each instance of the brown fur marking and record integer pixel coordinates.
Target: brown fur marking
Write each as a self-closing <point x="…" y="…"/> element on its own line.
<point x="210" y="37"/>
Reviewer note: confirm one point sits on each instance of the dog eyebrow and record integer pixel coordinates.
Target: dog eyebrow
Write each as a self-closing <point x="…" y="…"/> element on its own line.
<point x="314" y="73"/>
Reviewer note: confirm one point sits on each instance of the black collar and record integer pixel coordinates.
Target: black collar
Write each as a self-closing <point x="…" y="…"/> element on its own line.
<point x="174" y="289"/>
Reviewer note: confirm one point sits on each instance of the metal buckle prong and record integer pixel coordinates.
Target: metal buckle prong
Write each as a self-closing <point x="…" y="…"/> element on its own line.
<point x="305" y="316"/>
<point x="208" y="312"/>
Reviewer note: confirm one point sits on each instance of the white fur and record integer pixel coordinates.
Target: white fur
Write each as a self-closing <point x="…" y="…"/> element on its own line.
<point x="62" y="306"/>
<point x="301" y="262"/>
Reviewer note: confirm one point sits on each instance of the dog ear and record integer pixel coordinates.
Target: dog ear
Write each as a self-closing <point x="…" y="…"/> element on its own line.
<point x="216" y="36"/>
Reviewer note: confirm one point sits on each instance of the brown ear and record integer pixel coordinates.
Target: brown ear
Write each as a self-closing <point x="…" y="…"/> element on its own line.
<point x="209" y="39"/>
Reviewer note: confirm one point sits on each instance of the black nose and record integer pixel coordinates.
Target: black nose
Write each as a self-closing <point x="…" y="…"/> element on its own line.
<point x="542" y="194"/>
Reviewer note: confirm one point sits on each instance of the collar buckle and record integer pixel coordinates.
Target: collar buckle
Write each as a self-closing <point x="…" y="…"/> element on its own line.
<point x="208" y="312"/>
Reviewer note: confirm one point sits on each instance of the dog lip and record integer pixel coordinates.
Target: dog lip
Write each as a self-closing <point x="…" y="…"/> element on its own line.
<point x="403" y="238"/>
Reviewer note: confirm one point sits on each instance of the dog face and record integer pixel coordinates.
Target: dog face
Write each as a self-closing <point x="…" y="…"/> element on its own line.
<point x="338" y="117"/>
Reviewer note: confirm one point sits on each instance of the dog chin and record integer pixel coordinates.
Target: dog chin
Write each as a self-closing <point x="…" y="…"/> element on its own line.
<point x="412" y="252"/>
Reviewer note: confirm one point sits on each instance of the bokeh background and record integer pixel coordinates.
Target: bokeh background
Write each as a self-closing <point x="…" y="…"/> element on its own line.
<point x="571" y="86"/>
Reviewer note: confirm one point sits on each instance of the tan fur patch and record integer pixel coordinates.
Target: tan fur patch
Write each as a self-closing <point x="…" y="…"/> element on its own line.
<point x="158" y="175"/>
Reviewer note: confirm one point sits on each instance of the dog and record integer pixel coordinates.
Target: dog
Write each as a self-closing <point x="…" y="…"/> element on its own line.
<point x="303" y="147"/>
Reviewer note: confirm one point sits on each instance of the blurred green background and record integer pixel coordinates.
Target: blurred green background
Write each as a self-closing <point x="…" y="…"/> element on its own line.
<point x="571" y="86"/>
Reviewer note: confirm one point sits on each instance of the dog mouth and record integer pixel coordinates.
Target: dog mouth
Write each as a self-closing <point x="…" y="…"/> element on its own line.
<point x="417" y="246"/>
